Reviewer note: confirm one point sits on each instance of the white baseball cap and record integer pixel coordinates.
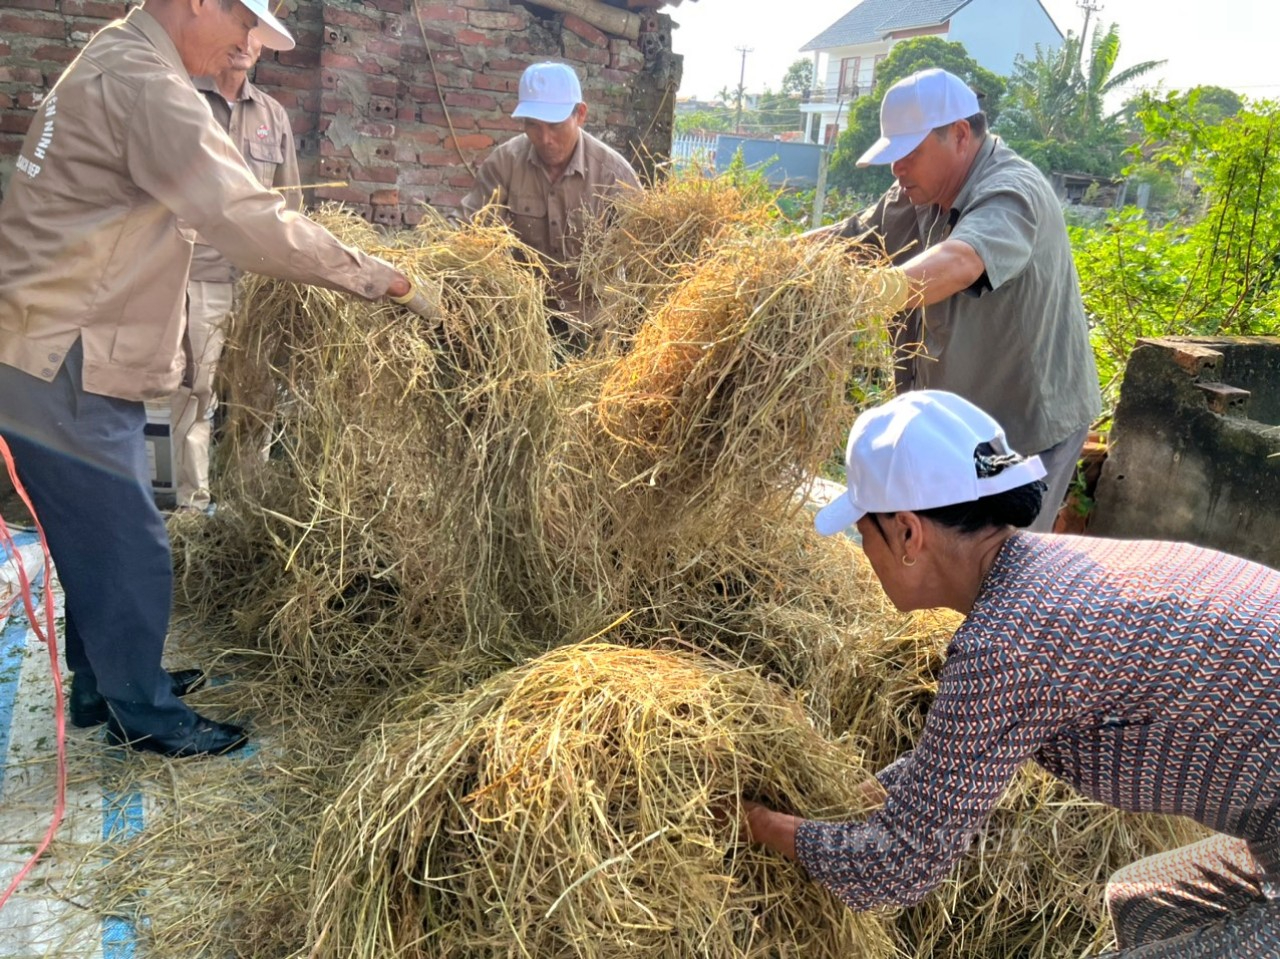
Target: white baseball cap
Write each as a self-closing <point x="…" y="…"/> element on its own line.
<point x="269" y="31"/>
<point x="913" y="107"/>
<point x="548" y="92"/>
<point x="916" y="452"/>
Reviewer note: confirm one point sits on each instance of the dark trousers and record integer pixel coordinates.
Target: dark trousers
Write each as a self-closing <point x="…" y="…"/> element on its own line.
<point x="1211" y="900"/>
<point x="82" y="458"/>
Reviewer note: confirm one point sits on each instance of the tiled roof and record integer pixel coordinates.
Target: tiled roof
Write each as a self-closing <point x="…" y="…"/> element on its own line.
<point x="872" y="19"/>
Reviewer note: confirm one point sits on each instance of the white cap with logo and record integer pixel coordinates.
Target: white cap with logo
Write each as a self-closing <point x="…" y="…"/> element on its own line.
<point x="916" y="452"/>
<point x="269" y="31"/>
<point x="548" y="92"/>
<point x="913" y="107"/>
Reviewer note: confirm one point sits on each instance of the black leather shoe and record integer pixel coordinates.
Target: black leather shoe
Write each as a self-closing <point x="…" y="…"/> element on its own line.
<point x="87" y="707"/>
<point x="207" y="737"/>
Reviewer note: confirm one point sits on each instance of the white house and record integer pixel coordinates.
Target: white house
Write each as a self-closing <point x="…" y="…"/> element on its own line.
<point x="845" y="54"/>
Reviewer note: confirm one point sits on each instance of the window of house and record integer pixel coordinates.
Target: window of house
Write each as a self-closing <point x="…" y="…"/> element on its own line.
<point x="849" y="68"/>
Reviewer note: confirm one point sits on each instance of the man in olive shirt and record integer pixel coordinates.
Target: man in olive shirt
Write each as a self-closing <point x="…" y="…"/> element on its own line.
<point x="554" y="178"/>
<point x="259" y="126"/>
<point x="988" y="284"/>
<point x="93" y="274"/>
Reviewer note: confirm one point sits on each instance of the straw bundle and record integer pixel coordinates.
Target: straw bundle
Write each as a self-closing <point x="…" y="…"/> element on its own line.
<point x="404" y="479"/>
<point x="633" y="260"/>
<point x="584" y="805"/>
<point x="736" y="389"/>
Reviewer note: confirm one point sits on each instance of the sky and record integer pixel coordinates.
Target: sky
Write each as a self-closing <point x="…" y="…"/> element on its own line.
<point x="1229" y="43"/>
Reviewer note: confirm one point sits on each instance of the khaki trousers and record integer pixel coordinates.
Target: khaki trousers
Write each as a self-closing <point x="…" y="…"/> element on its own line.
<point x="192" y="404"/>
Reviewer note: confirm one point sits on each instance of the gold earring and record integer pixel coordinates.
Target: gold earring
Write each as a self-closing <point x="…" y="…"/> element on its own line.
<point x="904" y="561"/>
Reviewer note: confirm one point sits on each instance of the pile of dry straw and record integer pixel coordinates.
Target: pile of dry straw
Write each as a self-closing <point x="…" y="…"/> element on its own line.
<point x="407" y="589"/>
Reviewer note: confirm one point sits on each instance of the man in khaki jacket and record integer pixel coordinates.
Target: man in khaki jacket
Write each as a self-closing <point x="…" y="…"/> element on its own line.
<point x="259" y="126"/>
<point x="93" y="273"/>
<point x="552" y="179"/>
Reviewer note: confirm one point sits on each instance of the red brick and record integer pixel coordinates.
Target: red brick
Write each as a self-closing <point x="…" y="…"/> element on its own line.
<point x="385" y="48"/>
<point x="464" y="181"/>
<point x="380" y="130"/>
<point x="383" y="86"/>
<point x="25" y="75"/>
<point x="577" y="25"/>
<point x="378" y="174"/>
<point x="341" y="61"/>
<point x="496" y="21"/>
<point x="469" y="141"/>
<point x="10" y="146"/>
<point x="343" y="194"/>
<point x="55" y="53"/>
<point x="269" y="75"/>
<point x="297" y="57"/>
<point x="93" y="8"/>
<point x="483" y="81"/>
<point x="507" y="66"/>
<point x="477" y="39"/>
<point x="422" y="175"/>
<point x="442" y="11"/>
<point x="32" y="4"/>
<point x="6" y="101"/>
<point x="389" y="6"/>
<point x="349" y="18"/>
<point x="30" y="99"/>
<point x="425" y="137"/>
<point x="4" y="49"/>
<point x="453" y="200"/>
<point x="385" y="197"/>
<point x="480" y="101"/>
<point x="14" y="24"/>
<point x="12" y="121"/>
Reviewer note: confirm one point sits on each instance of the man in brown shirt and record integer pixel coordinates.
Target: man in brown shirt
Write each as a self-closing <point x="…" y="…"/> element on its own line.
<point x="553" y="178"/>
<point x="259" y="126"/>
<point x="93" y="274"/>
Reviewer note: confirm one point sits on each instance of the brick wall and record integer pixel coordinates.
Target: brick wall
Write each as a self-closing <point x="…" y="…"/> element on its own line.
<point x="401" y="99"/>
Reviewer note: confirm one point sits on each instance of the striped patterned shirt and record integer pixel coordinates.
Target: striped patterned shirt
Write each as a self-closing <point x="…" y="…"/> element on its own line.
<point x="1145" y="674"/>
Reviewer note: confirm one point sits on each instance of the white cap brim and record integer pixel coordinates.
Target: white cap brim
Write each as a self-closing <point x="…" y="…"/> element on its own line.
<point x="270" y="32"/>
<point x="546" y="112"/>
<point x="891" y="149"/>
<point x="838" y="515"/>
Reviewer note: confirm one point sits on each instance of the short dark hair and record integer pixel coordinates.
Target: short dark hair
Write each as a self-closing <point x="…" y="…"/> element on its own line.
<point x="977" y="124"/>
<point x="1017" y="507"/>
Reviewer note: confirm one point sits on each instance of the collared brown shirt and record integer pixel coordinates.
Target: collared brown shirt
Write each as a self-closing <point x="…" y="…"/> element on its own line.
<point x="259" y="126"/>
<point x="90" y="246"/>
<point x="551" y="217"/>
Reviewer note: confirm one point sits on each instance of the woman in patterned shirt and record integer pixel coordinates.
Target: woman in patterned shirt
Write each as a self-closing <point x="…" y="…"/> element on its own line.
<point x="1145" y="674"/>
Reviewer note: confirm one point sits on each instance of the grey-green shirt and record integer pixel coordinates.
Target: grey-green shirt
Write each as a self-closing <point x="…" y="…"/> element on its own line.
<point x="1016" y="343"/>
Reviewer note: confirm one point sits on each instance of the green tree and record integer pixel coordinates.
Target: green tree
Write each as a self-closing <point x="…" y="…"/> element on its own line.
<point x="1055" y="108"/>
<point x="798" y="80"/>
<point x="1217" y="275"/>
<point x="864" y="113"/>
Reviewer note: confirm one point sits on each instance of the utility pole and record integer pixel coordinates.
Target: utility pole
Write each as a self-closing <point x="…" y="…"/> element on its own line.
<point x="742" y="89"/>
<point x="1090" y="7"/>
<point x="824" y="162"/>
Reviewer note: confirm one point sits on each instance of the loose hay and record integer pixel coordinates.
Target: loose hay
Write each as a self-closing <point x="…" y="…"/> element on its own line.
<point x="442" y="504"/>
<point x="585" y="805"/>
<point x="634" y="259"/>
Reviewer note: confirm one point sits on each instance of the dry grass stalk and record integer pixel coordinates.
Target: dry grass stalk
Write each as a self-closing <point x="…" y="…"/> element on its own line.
<point x="584" y="805"/>
<point x="632" y="261"/>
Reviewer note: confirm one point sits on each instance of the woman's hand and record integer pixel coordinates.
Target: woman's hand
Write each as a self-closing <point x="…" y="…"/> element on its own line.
<point x="776" y="830"/>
